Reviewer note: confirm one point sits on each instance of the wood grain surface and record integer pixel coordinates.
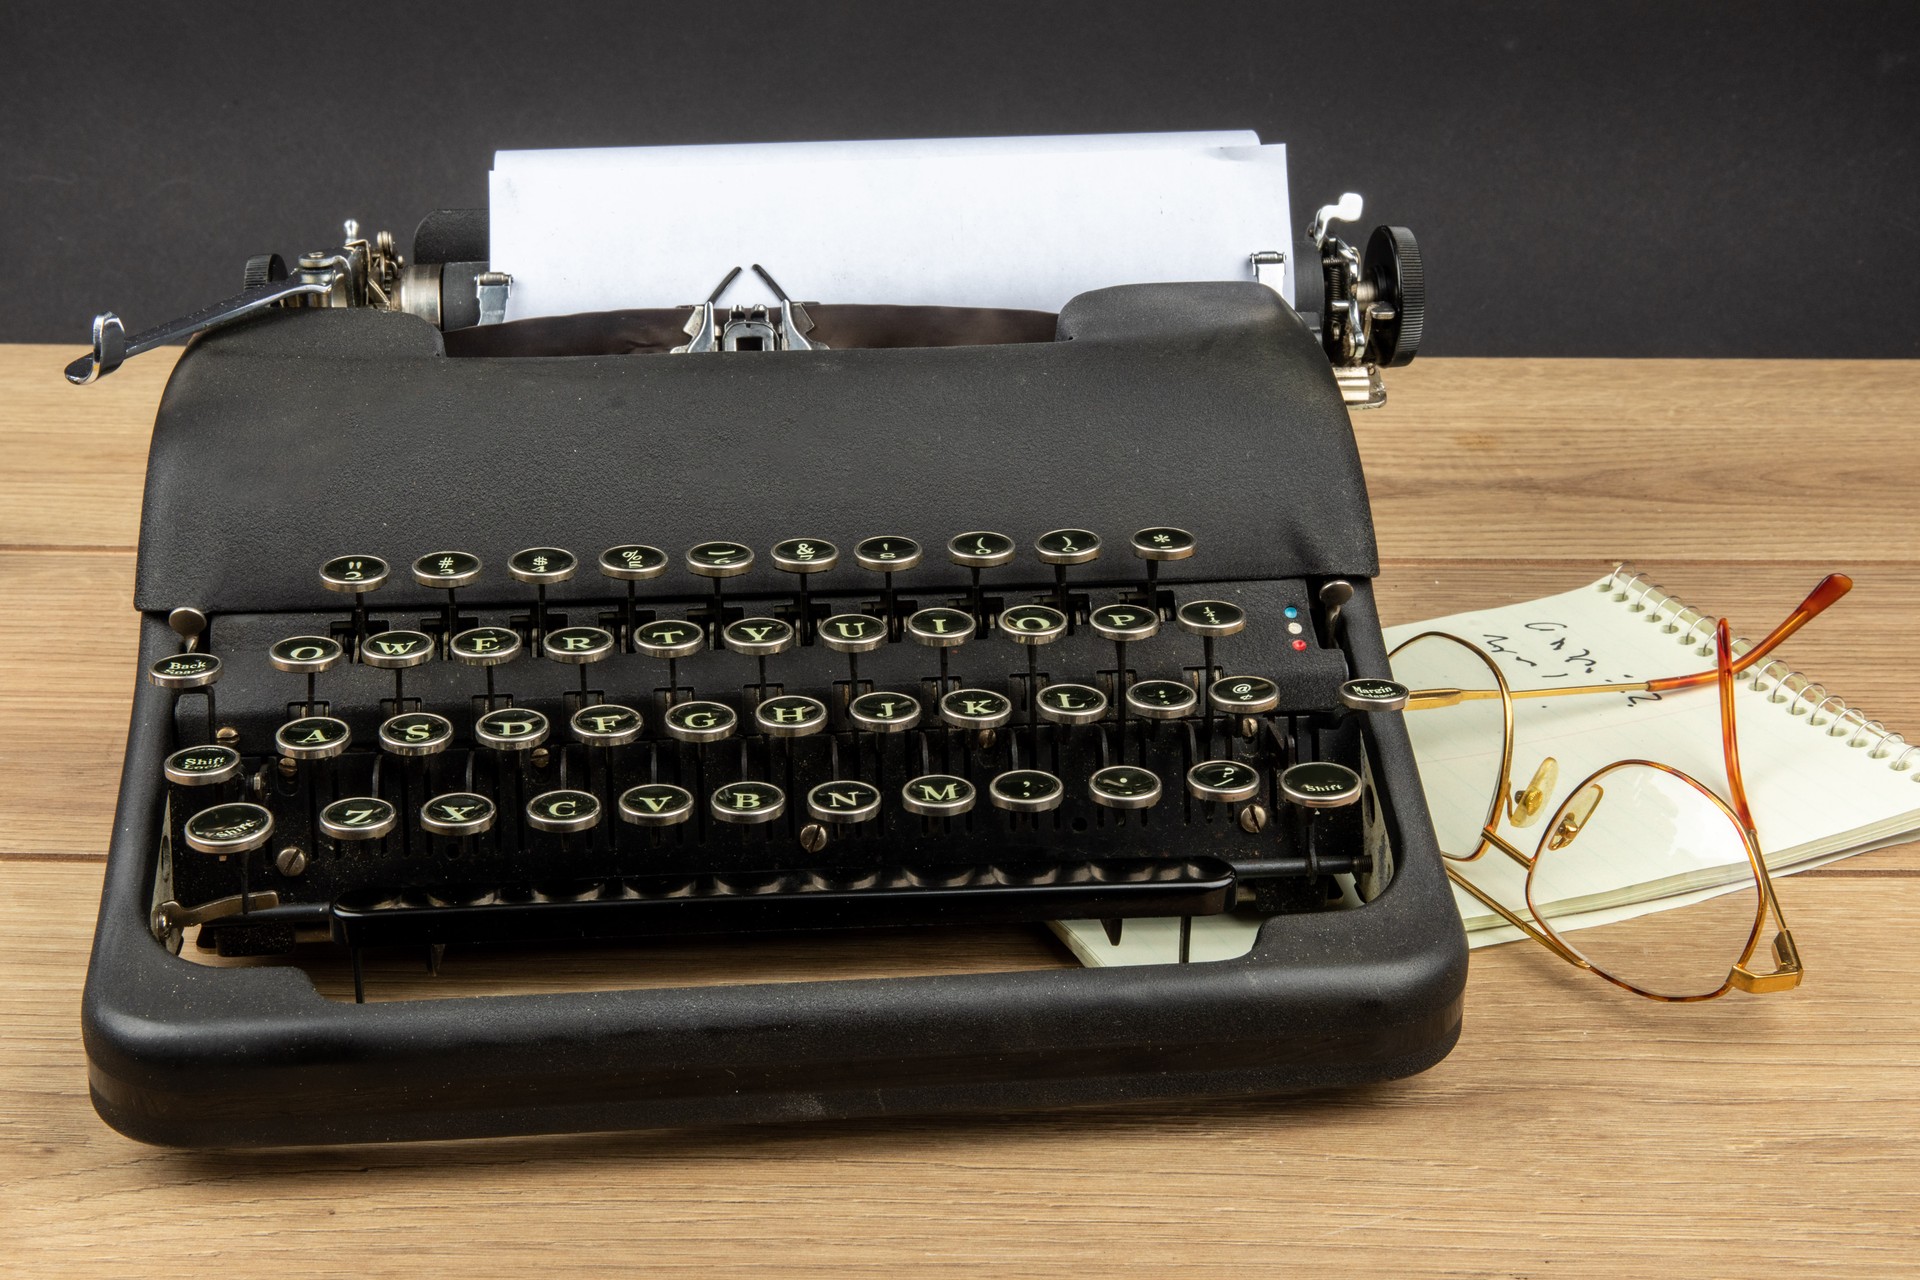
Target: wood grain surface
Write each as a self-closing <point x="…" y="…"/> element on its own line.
<point x="1575" y="1131"/>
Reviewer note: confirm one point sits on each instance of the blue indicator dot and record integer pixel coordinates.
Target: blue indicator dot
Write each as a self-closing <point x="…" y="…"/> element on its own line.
<point x="1291" y="612"/>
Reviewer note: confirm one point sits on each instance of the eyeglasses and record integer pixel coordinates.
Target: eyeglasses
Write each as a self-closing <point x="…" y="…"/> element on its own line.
<point x="1650" y="813"/>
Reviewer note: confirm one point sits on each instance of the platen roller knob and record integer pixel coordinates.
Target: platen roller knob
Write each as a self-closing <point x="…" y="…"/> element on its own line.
<point x="1392" y="267"/>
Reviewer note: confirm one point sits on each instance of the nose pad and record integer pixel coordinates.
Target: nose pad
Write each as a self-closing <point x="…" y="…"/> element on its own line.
<point x="1531" y="800"/>
<point x="1573" y="818"/>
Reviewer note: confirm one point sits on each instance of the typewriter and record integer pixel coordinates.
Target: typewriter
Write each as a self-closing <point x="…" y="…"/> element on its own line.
<point x="460" y="633"/>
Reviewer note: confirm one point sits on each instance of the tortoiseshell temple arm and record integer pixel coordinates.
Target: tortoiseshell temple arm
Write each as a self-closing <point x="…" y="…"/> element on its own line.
<point x="1818" y="601"/>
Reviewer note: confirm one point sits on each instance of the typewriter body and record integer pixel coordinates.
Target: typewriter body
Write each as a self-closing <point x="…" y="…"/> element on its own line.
<point x="463" y="634"/>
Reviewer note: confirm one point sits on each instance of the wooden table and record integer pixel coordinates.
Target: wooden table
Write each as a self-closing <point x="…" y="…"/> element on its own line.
<point x="1576" y="1130"/>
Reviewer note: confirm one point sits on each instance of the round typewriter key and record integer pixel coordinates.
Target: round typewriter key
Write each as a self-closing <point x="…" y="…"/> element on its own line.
<point x="669" y="638"/>
<point x="805" y="555"/>
<point x="700" y="721"/>
<point x="1033" y="624"/>
<point x="606" y="725"/>
<point x="853" y="632"/>
<point x="1026" y="791"/>
<point x="185" y="671"/>
<point x="1368" y="694"/>
<point x="397" y="650"/>
<point x="1124" y="786"/>
<point x="1244" y="694"/>
<point x="354" y="575"/>
<point x="457" y="813"/>
<point x="1163" y="544"/>
<point x="446" y="570"/>
<point x="564" y="810"/>
<point x="975" y="709"/>
<point x="511" y="729"/>
<point x="312" y="738"/>
<point x="633" y="562"/>
<point x="791" y="715"/>
<point x="1072" y="703"/>
<point x="229" y="828"/>
<point x="1320" y="784"/>
<point x="542" y="566"/>
<point x="1210" y="618"/>
<point x="980" y="549"/>
<point x="1161" y="699"/>
<point x="484" y="646"/>
<point x="844" y="801"/>
<point x="578" y="645"/>
<point x="748" y="802"/>
<point x="889" y="554"/>
<point x="358" y="818"/>
<point x="202" y="766"/>
<point x="304" y="655"/>
<point x="1124" y="623"/>
<point x="884" y="712"/>
<point x="758" y="637"/>
<point x="1067" y="546"/>
<point x="937" y="795"/>
<point x="416" y="733"/>
<point x="1227" y="780"/>
<point x="720" y="559"/>
<point x="940" y="628"/>
<point x="656" y="804"/>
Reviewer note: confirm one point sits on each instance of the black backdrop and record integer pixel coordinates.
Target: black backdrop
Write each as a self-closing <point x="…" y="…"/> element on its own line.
<point x="1671" y="178"/>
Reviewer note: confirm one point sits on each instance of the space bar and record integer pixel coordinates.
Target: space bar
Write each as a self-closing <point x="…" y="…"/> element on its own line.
<point x="640" y="906"/>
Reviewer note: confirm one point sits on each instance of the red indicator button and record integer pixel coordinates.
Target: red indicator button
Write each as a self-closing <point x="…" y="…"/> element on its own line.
<point x="1299" y="646"/>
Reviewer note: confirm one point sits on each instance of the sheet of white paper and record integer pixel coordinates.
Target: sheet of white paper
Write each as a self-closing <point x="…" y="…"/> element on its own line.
<point x="987" y="222"/>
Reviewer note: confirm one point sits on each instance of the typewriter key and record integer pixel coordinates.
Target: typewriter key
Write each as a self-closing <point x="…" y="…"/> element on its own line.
<point x="511" y="729"/>
<point x="887" y="556"/>
<point x="1368" y="694"/>
<point x="606" y="725"/>
<point x="541" y="567"/>
<point x="656" y="804"/>
<point x="672" y="639"/>
<point x="448" y="571"/>
<point x="758" y="638"/>
<point x="229" y="828"/>
<point x="355" y="576"/>
<point x="805" y="557"/>
<point x="1210" y="620"/>
<point x="885" y="712"/>
<point x="700" y="721"/>
<point x="185" y="671"/>
<point x="979" y="550"/>
<point x="358" y="818"/>
<point x="579" y="646"/>
<point x="1062" y="547"/>
<point x="202" y="766"/>
<point x="715" y="561"/>
<point x="1026" y="791"/>
<point x="1320" y="784"/>
<point x="632" y="562"/>
<point x="564" y="811"/>
<point x="975" y="709"/>
<point x="937" y="795"/>
<point x="1161" y="699"/>
<point x="844" y="801"/>
<point x="396" y="651"/>
<point x="457" y="813"/>
<point x="1033" y="624"/>
<point x="1124" y="786"/>
<point x="487" y="648"/>
<point x="1158" y="545"/>
<point x="1123" y="624"/>
<point x="941" y="629"/>
<point x="312" y="738"/>
<point x="747" y="803"/>
<point x="853" y="634"/>
<point x="305" y="655"/>
<point x="1072" y="703"/>
<point x="1247" y="695"/>
<point x="416" y="733"/>
<point x="1226" y="780"/>
<point x="791" y="716"/>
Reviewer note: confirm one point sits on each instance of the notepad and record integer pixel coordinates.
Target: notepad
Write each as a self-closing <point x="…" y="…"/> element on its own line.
<point x="1825" y="779"/>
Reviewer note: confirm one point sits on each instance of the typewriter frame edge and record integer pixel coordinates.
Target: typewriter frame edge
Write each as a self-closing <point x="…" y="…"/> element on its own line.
<point x="186" y="1055"/>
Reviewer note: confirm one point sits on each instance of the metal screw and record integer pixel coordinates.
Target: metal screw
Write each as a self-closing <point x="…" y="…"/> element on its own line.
<point x="288" y="765"/>
<point x="227" y="734"/>
<point x="1249" y="727"/>
<point x="985" y="739"/>
<point x="1253" y="819"/>
<point x="813" y="837"/>
<point x="539" y="758"/>
<point x="290" y="861"/>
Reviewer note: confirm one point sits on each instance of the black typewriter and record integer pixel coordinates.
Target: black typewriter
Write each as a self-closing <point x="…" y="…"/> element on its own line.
<point x="461" y="633"/>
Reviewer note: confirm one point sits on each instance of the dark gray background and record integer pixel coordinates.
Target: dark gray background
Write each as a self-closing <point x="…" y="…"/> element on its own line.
<point x="1675" y="178"/>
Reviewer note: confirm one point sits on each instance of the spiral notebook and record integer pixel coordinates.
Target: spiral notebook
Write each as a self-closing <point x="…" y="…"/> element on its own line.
<point x="1826" y="780"/>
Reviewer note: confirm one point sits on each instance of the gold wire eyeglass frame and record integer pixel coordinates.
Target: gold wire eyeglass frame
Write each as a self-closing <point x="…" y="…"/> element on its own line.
<point x="1521" y="807"/>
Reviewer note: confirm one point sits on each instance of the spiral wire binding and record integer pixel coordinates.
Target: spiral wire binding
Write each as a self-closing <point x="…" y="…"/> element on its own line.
<point x="1781" y="683"/>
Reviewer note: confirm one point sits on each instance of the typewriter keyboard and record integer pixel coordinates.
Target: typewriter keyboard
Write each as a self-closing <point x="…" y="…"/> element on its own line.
<point x="619" y="744"/>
